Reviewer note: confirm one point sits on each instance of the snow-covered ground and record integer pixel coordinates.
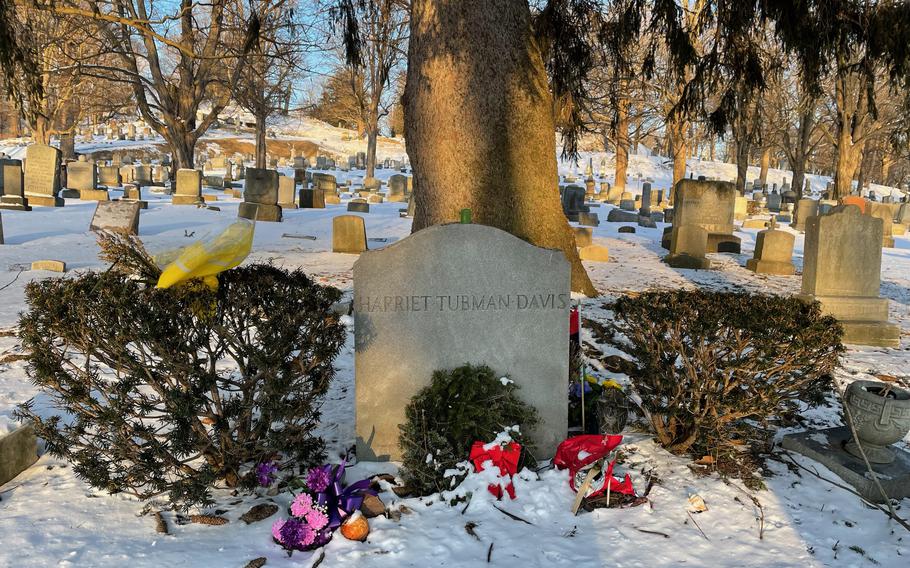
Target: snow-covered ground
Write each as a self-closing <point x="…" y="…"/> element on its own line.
<point x="50" y="517"/>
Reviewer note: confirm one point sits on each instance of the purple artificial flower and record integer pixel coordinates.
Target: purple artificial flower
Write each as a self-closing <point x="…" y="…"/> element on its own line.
<point x="265" y="473"/>
<point x="319" y="478"/>
<point x="297" y="535"/>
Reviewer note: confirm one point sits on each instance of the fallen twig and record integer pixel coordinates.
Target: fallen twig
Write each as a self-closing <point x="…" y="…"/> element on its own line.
<point x="894" y="516"/>
<point x="489" y="552"/>
<point x="646" y="531"/>
<point x="319" y="560"/>
<point x="757" y="503"/>
<point x="696" y="526"/>
<point x="511" y="516"/>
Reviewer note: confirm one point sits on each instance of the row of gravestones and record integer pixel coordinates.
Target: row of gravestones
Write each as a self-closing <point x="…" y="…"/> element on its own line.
<point x="841" y="259"/>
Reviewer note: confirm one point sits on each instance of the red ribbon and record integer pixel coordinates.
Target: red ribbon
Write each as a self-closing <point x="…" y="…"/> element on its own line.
<point x="506" y="459"/>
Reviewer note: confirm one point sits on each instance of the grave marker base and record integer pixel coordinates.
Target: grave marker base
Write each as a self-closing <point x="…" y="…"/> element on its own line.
<point x="94" y="195"/>
<point x="45" y="201"/>
<point x="827" y="448"/>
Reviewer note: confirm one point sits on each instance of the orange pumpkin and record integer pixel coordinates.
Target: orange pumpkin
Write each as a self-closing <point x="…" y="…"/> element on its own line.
<point x="356" y="527"/>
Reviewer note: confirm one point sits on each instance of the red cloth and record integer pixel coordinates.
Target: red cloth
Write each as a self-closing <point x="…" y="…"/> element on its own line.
<point x="574" y="323"/>
<point x="506" y="459"/>
<point x="595" y="447"/>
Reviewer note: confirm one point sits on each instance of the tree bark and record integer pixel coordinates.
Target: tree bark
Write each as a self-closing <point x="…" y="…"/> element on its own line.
<point x="764" y="163"/>
<point x="678" y="147"/>
<point x="742" y="165"/>
<point x="621" y="143"/>
<point x="372" y="138"/>
<point x="480" y="130"/>
<point x="261" y="147"/>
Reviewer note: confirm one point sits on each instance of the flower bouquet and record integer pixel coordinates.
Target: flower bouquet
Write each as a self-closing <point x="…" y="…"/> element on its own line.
<point x="322" y="505"/>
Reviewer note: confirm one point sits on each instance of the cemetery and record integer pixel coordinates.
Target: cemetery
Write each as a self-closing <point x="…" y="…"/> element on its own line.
<point x="449" y="317"/>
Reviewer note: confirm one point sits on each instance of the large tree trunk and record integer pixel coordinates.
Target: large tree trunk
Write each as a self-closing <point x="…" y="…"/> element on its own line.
<point x="742" y="165"/>
<point x="68" y="145"/>
<point x="621" y="143"/>
<point x="261" y="147"/>
<point x="848" y="158"/>
<point x="678" y="148"/>
<point x="480" y="130"/>
<point x="372" y="138"/>
<point x="764" y="163"/>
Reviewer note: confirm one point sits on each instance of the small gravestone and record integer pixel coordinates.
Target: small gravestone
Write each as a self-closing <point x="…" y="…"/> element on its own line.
<point x="773" y="252"/>
<point x="326" y="182"/>
<point x="620" y="216"/>
<point x="842" y="263"/>
<point x="374" y="198"/>
<point x="109" y="176"/>
<point x="457" y="294"/>
<point x="398" y="188"/>
<point x="312" y="199"/>
<point x="117" y="217"/>
<point x="13" y="194"/>
<point x="287" y="192"/>
<point x="645" y="210"/>
<point x="583" y="236"/>
<point x="189" y="187"/>
<point x="18" y="451"/>
<point x="260" y="196"/>
<point x="349" y="234"/>
<point x="594" y="253"/>
<point x="740" y="208"/>
<point x="626" y="229"/>
<point x="82" y="177"/>
<point x="688" y="246"/>
<point x="42" y="176"/>
<point x="883" y="211"/>
<point x="588" y="219"/>
<point x="573" y="202"/>
<point x="358" y="207"/>
<point x="709" y="205"/>
<point x="805" y="208"/>
<point x="142" y="174"/>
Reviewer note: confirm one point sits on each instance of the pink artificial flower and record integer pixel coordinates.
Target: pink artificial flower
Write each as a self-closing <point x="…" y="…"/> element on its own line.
<point x="317" y="519"/>
<point x="276" y="529"/>
<point x="302" y="505"/>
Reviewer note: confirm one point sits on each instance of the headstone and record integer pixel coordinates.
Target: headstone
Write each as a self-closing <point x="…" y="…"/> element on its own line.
<point x="883" y="212"/>
<point x="109" y="176"/>
<point x="398" y="188"/>
<point x="645" y="209"/>
<point x="349" y="234"/>
<point x="594" y="253"/>
<point x="774" y="202"/>
<point x="773" y="252"/>
<point x="573" y="202"/>
<point x="710" y="205"/>
<point x="740" y="208"/>
<point x="260" y="196"/>
<point x="13" y="194"/>
<point x="620" y="216"/>
<point x="287" y="192"/>
<point x="312" y="199"/>
<point x="805" y="208"/>
<point x="627" y="201"/>
<point x="18" y="451"/>
<point x="83" y="178"/>
<point x="189" y="187"/>
<point x="457" y="294"/>
<point x="626" y="229"/>
<point x="358" y="207"/>
<point x="325" y="182"/>
<point x="116" y="216"/>
<point x="42" y="176"/>
<point x="588" y="219"/>
<point x="583" y="236"/>
<point x="688" y="246"/>
<point x="842" y="264"/>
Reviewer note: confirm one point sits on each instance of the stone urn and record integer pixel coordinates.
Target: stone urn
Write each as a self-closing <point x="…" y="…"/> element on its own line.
<point x="881" y="416"/>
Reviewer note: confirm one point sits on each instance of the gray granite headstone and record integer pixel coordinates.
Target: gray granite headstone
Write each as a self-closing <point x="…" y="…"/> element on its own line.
<point x="450" y="295"/>
<point x="42" y="175"/>
<point x="81" y="176"/>
<point x="117" y="217"/>
<point x="13" y="194"/>
<point x="358" y="207"/>
<point x="18" y="451"/>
